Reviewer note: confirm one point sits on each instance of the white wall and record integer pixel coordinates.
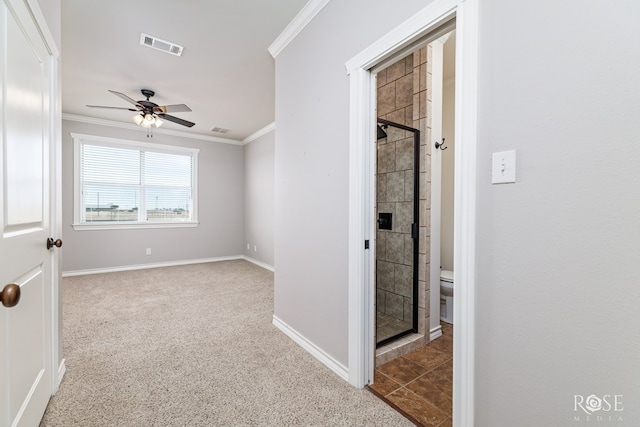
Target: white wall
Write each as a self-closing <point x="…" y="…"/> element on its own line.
<point x="557" y="252"/>
<point x="557" y="280"/>
<point x="220" y="205"/>
<point x="311" y="167"/>
<point x="448" y="156"/>
<point x="52" y="12"/>
<point x="259" y="198"/>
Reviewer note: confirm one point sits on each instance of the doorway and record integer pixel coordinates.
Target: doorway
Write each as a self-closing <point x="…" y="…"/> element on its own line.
<point x="431" y="20"/>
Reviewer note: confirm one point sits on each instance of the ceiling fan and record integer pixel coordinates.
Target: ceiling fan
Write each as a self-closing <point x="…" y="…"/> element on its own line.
<point x="150" y="113"/>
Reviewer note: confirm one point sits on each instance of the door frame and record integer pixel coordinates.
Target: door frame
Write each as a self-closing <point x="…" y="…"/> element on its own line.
<point x="361" y="134"/>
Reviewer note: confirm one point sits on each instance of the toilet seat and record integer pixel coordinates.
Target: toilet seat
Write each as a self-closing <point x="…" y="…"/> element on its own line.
<point x="446" y="283"/>
<point x="446" y="276"/>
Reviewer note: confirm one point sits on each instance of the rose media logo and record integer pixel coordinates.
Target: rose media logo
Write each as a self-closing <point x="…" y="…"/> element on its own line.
<point x="607" y="408"/>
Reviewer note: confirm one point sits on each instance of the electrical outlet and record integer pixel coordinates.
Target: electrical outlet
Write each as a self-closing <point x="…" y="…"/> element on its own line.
<point x="248" y="245"/>
<point x="255" y="248"/>
<point x="148" y="251"/>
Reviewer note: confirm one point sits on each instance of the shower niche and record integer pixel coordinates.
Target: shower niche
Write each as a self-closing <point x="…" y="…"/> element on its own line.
<point x="397" y="214"/>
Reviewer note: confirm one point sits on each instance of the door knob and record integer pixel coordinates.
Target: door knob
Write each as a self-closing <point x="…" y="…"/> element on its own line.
<point x="10" y="295"/>
<point x="51" y="243"/>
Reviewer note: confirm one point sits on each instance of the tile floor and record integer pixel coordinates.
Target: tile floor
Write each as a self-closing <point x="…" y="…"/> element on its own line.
<point x="420" y="383"/>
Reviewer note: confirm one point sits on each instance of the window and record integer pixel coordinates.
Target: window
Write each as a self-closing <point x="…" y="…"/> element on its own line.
<point x="126" y="184"/>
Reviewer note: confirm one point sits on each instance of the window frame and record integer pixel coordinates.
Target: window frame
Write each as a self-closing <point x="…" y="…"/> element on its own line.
<point x="80" y="139"/>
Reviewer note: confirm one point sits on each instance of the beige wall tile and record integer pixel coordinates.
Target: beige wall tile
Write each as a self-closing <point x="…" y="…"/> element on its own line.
<point x="396" y="70"/>
<point x="382" y="78"/>
<point x="404" y="217"/>
<point x="425" y="214"/>
<point x="408" y="250"/>
<point x="395" y="247"/>
<point x="404" y="154"/>
<point x="394" y="305"/>
<point x="394" y="133"/>
<point x="403" y="280"/>
<point x="423" y="160"/>
<point x="408" y="310"/>
<point x="408" y="66"/>
<point x="381" y="187"/>
<point x="422" y="263"/>
<point x="416" y="80"/>
<point x="404" y="91"/>
<point x="415" y="107"/>
<point x="386" y="99"/>
<point x="395" y="186"/>
<point x="408" y="117"/>
<point x="408" y="185"/>
<point x="381" y="250"/>
<point x="427" y="218"/>
<point x="385" y="276"/>
<point x="386" y="157"/>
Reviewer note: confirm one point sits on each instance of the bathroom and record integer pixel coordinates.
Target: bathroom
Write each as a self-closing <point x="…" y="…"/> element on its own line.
<point x="414" y="216"/>
<point x="414" y="195"/>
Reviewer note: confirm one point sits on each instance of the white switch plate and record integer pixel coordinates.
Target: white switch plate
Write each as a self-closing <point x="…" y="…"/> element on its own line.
<point x="503" y="170"/>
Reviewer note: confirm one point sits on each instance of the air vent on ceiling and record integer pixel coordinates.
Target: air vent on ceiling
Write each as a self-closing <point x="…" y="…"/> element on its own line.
<point x="219" y="129"/>
<point x="163" y="45"/>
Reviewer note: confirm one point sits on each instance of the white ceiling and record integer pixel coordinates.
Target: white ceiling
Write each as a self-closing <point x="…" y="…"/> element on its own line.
<point x="225" y="74"/>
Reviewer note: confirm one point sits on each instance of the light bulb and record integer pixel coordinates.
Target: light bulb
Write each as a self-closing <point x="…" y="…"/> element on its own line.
<point x="138" y="119"/>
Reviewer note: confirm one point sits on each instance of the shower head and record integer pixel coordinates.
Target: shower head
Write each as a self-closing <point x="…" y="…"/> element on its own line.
<point x="381" y="132"/>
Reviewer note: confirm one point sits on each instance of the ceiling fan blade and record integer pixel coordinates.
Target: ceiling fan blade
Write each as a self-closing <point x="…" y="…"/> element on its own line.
<point x="125" y="97"/>
<point x="176" y="120"/>
<point x="175" y="108"/>
<point x="113" y="108"/>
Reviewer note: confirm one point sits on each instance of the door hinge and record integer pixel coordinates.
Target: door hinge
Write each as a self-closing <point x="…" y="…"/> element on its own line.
<point x="366" y="244"/>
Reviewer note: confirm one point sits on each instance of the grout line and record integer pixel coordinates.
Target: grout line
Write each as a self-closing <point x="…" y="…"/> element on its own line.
<point x="448" y="414"/>
<point x="449" y="357"/>
<point x="390" y="379"/>
<point x="395" y="407"/>
<point x="444" y="421"/>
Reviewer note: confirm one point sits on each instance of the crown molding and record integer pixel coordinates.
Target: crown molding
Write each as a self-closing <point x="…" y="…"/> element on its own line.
<point x="265" y="130"/>
<point x="308" y="12"/>
<point x="131" y="126"/>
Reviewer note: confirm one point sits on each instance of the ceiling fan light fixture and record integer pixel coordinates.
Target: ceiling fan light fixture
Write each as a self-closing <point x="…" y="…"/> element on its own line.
<point x="137" y="119"/>
<point x="158" y="122"/>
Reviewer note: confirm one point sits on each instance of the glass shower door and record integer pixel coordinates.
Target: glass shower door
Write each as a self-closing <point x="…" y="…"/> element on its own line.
<point x="398" y="149"/>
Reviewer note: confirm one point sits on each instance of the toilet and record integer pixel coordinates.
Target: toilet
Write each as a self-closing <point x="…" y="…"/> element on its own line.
<point x="446" y="296"/>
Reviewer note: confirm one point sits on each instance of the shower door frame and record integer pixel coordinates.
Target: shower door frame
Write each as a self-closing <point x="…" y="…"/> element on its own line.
<point x="414" y="230"/>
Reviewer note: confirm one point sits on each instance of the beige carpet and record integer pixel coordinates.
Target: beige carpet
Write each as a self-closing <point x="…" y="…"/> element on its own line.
<point x="193" y="346"/>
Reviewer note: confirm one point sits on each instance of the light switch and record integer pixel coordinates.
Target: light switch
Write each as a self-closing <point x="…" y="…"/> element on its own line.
<point x="503" y="170"/>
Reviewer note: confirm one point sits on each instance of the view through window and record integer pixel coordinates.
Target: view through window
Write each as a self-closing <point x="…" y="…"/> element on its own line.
<point x="134" y="183"/>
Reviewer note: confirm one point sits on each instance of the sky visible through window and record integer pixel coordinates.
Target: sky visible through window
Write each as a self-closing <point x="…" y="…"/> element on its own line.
<point x="118" y="182"/>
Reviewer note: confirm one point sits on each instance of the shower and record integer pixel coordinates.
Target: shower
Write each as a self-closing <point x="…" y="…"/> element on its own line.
<point x="397" y="215"/>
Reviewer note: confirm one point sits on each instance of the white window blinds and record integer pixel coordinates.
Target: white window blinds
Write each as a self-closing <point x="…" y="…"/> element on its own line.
<point x="134" y="183"/>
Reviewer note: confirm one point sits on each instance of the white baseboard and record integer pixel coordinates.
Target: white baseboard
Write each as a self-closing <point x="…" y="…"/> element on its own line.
<point x="435" y="333"/>
<point x="152" y="265"/>
<point x="259" y="263"/>
<point x="314" y="350"/>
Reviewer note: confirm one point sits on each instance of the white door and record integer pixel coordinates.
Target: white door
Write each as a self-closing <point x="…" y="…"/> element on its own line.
<point x="25" y="128"/>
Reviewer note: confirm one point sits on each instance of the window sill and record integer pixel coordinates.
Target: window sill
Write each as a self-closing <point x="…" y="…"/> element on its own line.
<point x="135" y="225"/>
